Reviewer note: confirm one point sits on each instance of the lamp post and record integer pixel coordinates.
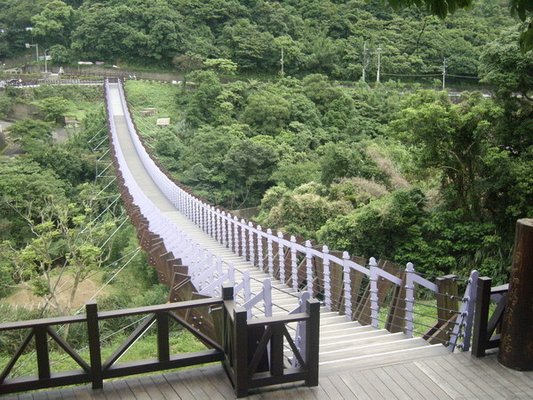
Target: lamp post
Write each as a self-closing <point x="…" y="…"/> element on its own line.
<point x="379" y="64"/>
<point x="36" y="45"/>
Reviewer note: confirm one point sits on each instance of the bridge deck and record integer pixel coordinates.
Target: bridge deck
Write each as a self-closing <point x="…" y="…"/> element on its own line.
<point x="451" y="376"/>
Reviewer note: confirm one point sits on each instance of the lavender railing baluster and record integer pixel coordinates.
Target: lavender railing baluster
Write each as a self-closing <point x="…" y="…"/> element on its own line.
<point x="347" y="285"/>
<point x="251" y="242"/>
<point x="270" y="253"/>
<point x="374" y="306"/>
<point x="327" y="277"/>
<point x="309" y="267"/>
<point x="260" y="257"/>
<point x="281" y="258"/>
<point x="236" y="236"/>
<point x="409" y="299"/>
<point x="294" y="264"/>
<point x="243" y="240"/>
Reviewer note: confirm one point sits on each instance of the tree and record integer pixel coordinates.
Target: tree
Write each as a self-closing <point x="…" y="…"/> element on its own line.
<point x="458" y="140"/>
<point x="249" y="165"/>
<point x="66" y="243"/>
<point x="221" y="65"/>
<point x="303" y="211"/>
<point x="521" y="8"/>
<point x="340" y="160"/>
<point x="54" y="24"/>
<point x="25" y="188"/>
<point x="31" y="134"/>
<point x="202" y="106"/>
<point x="378" y="229"/>
<point x="267" y="111"/>
<point x="53" y="108"/>
<point x="247" y="45"/>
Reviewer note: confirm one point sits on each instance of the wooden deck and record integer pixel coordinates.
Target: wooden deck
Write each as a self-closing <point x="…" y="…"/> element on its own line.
<point x="452" y="376"/>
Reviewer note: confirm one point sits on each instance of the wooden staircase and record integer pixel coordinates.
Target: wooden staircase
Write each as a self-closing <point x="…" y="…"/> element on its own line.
<point x="348" y="344"/>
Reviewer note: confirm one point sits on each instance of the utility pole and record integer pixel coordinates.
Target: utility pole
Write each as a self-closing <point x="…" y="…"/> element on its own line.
<point x="36" y="45"/>
<point x="444" y="74"/>
<point x="365" y="62"/>
<point x="282" y="62"/>
<point x="379" y="64"/>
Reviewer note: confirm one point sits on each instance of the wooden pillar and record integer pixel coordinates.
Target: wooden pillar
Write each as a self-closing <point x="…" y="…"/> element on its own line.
<point x="93" y="333"/>
<point x="516" y="346"/>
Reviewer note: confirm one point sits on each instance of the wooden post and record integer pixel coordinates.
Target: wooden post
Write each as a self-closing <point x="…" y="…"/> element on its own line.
<point x="163" y="350"/>
<point x="312" y="333"/>
<point x="240" y="352"/>
<point x="93" y="332"/>
<point x="516" y="346"/>
<point x="481" y="317"/>
<point x="447" y="298"/>
<point x="41" y="347"/>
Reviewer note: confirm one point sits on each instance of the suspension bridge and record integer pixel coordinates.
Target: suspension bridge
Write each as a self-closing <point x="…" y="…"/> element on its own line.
<point x="272" y="308"/>
<point x="218" y="247"/>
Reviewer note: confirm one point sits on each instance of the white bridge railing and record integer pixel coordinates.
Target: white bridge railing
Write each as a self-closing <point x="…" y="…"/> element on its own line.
<point x="334" y="278"/>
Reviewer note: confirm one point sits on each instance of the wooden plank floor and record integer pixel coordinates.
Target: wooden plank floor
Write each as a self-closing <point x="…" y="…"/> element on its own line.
<point x="452" y="376"/>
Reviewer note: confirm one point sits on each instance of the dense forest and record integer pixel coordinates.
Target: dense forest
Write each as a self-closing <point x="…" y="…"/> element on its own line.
<point x="341" y="39"/>
<point x="387" y="171"/>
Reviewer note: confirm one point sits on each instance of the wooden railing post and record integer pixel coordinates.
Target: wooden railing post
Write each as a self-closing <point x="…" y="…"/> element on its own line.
<point x="93" y="332"/>
<point x="447" y="297"/>
<point x="240" y="352"/>
<point x="163" y="351"/>
<point x="227" y="291"/>
<point x="312" y="336"/>
<point x="41" y="347"/>
<point x="481" y="317"/>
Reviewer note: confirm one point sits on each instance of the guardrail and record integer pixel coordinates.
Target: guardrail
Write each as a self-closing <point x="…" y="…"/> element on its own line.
<point x="252" y="351"/>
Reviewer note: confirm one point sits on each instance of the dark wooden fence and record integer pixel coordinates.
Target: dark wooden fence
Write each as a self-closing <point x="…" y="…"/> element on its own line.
<point x="252" y="351"/>
<point x="486" y="331"/>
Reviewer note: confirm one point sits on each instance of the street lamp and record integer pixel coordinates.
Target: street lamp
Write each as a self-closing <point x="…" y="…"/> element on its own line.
<point x="36" y="51"/>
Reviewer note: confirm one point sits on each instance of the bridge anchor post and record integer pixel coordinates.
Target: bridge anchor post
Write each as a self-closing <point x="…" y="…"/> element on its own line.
<point x="516" y="346"/>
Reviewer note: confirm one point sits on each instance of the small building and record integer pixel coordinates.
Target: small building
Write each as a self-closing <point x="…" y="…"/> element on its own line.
<point x="163" y="122"/>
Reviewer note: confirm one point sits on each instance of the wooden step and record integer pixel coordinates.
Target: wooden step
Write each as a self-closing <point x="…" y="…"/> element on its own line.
<point x="361" y="342"/>
<point x="394" y="344"/>
<point x="329" y="342"/>
<point x="340" y="326"/>
<point x="336" y="366"/>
